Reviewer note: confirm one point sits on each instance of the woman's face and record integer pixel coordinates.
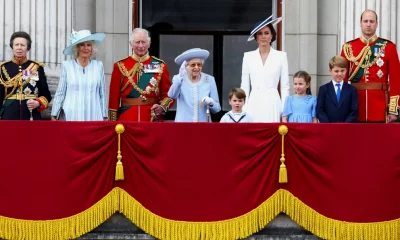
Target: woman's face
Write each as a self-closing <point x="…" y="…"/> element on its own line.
<point x="194" y="67"/>
<point x="85" y="49"/>
<point x="264" y="36"/>
<point x="20" y="47"/>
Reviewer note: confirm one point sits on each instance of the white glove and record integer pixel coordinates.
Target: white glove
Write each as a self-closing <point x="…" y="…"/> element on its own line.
<point x="182" y="71"/>
<point x="208" y="101"/>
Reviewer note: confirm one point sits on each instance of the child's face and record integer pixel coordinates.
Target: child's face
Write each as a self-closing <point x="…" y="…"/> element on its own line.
<point x="338" y="73"/>
<point x="300" y="85"/>
<point x="236" y="103"/>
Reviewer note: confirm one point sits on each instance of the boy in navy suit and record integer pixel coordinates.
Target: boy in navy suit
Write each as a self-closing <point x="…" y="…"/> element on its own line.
<point x="337" y="100"/>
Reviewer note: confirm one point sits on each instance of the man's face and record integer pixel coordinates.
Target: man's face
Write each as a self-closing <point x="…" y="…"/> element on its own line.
<point x="140" y="44"/>
<point x="368" y="24"/>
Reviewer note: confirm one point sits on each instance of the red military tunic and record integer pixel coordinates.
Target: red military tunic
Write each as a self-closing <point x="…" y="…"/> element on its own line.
<point x="136" y="85"/>
<point x="371" y="64"/>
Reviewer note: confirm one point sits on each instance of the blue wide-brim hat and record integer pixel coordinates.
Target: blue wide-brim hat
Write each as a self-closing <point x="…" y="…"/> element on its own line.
<point x="262" y="24"/>
<point x="192" y="53"/>
<point x="83" y="36"/>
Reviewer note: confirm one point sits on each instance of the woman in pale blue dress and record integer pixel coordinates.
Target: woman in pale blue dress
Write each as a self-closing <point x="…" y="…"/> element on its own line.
<point x="301" y="106"/>
<point x="195" y="92"/>
<point x="81" y="94"/>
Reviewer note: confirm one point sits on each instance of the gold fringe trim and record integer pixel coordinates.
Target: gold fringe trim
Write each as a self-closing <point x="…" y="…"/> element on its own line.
<point x="162" y="228"/>
<point x="64" y="228"/>
<point x="234" y="228"/>
<point x="327" y="228"/>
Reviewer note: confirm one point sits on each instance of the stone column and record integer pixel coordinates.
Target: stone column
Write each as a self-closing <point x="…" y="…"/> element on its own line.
<point x="113" y="17"/>
<point x="388" y="14"/>
<point x="300" y="24"/>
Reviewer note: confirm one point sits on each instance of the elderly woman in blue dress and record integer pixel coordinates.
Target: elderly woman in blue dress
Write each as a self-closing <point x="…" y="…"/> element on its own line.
<point x="195" y="92"/>
<point x="81" y="94"/>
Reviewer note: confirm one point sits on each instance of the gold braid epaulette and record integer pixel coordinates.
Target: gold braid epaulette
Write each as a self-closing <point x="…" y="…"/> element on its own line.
<point x="348" y="52"/>
<point x="158" y="59"/>
<point x="38" y="63"/>
<point x="16" y="81"/>
<point x="129" y="74"/>
<point x="363" y="56"/>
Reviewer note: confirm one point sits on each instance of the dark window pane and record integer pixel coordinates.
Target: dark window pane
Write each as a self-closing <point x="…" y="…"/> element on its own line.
<point x="233" y="50"/>
<point x="213" y="15"/>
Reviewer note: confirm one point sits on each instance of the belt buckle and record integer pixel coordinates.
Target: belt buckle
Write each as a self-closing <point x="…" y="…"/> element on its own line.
<point x="20" y="96"/>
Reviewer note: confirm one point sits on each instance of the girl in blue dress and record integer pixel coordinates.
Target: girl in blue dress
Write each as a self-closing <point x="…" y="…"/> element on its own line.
<point x="301" y="106"/>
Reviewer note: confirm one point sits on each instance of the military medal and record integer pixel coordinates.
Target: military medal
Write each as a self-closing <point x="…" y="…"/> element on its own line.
<point x="380" y="73"/>
<point x="380" y="62"/>
<point x="376" y="51"/>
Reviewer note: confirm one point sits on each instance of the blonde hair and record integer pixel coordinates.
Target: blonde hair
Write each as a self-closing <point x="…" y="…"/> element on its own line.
<point x="75" y="50"/>
<point x="337" y="61"/>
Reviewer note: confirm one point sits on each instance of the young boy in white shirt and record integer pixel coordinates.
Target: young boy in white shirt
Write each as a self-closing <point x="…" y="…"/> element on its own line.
<point x="237" y="98"/>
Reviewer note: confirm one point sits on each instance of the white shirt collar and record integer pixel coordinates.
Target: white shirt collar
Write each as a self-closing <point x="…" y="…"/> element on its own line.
<point x="334" y="84"/>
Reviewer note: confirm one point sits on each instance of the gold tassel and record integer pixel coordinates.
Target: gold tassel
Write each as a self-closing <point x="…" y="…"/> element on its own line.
<point x="282" y="173"/>
<point x="283" y="177"/>
<point x="119" y="169"/>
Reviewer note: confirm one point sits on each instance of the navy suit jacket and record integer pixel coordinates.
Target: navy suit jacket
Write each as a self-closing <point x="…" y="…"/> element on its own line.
<point x="330" y="110"/>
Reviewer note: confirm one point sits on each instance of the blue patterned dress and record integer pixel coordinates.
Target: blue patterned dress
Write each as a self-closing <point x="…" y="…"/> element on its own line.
<point x="81" y="92"/>
<point x="300" y="109"/>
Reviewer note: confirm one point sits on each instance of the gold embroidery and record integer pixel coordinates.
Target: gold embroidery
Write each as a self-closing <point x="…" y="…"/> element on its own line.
<point x="44" y="102"/>
<point x="16" y="81"/>
<point x="131" y="74"/>
<point x="112" y="114"/>
<point x="363" y="56"/>
<point x="165" y="103"/>
<point x="394" y="105"/>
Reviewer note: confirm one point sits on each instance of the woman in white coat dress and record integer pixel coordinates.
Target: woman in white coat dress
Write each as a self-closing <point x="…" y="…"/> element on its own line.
<point x="262" y="71"/>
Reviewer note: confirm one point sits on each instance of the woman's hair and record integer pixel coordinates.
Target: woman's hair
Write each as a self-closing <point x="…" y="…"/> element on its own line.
<point x="307" y="78"/>
<point x="21" y="35"/>
<point x="273" y="32"/>
<point x="75" y="50"/>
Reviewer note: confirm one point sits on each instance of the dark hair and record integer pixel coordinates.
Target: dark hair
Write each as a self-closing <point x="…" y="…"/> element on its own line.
<point x="369" y="10"/>
<point x="237" y="92"/>
<point x="273" y="32"/>
<point x="306" y="77"/>
<point x="21" y="35"/>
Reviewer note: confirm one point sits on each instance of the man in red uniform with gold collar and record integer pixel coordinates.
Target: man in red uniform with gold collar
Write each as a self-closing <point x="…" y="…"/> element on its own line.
<point x="139" y="84"/>
<point x="372" y="61"/>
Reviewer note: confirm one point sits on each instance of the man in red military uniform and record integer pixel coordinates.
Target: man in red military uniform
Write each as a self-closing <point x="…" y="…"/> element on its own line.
<point x="372" y="61"/>
<point x="139" y="84"/>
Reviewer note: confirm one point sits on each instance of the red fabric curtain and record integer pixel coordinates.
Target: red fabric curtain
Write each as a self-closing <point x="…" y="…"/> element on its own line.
<point x="199" y="172"/>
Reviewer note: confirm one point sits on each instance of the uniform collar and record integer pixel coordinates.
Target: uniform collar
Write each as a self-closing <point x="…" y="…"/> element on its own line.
<point x="368" y="41"/>
<point x="19" y="61"/>
<point x="140" y="59"/>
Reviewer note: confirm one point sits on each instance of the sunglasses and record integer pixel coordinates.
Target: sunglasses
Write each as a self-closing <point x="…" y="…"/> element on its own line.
<point x="195" y="64"/>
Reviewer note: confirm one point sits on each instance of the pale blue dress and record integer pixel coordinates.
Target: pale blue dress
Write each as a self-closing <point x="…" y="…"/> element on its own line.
<point x="81" y="92"/>
<point x="188" y="96"/>
<point x="300" y="109"/>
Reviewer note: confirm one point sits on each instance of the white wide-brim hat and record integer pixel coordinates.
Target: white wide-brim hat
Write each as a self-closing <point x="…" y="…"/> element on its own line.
<point x="262" y="24"/>
<point x="83" y="36"/>
<point x="192" y="53"/>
